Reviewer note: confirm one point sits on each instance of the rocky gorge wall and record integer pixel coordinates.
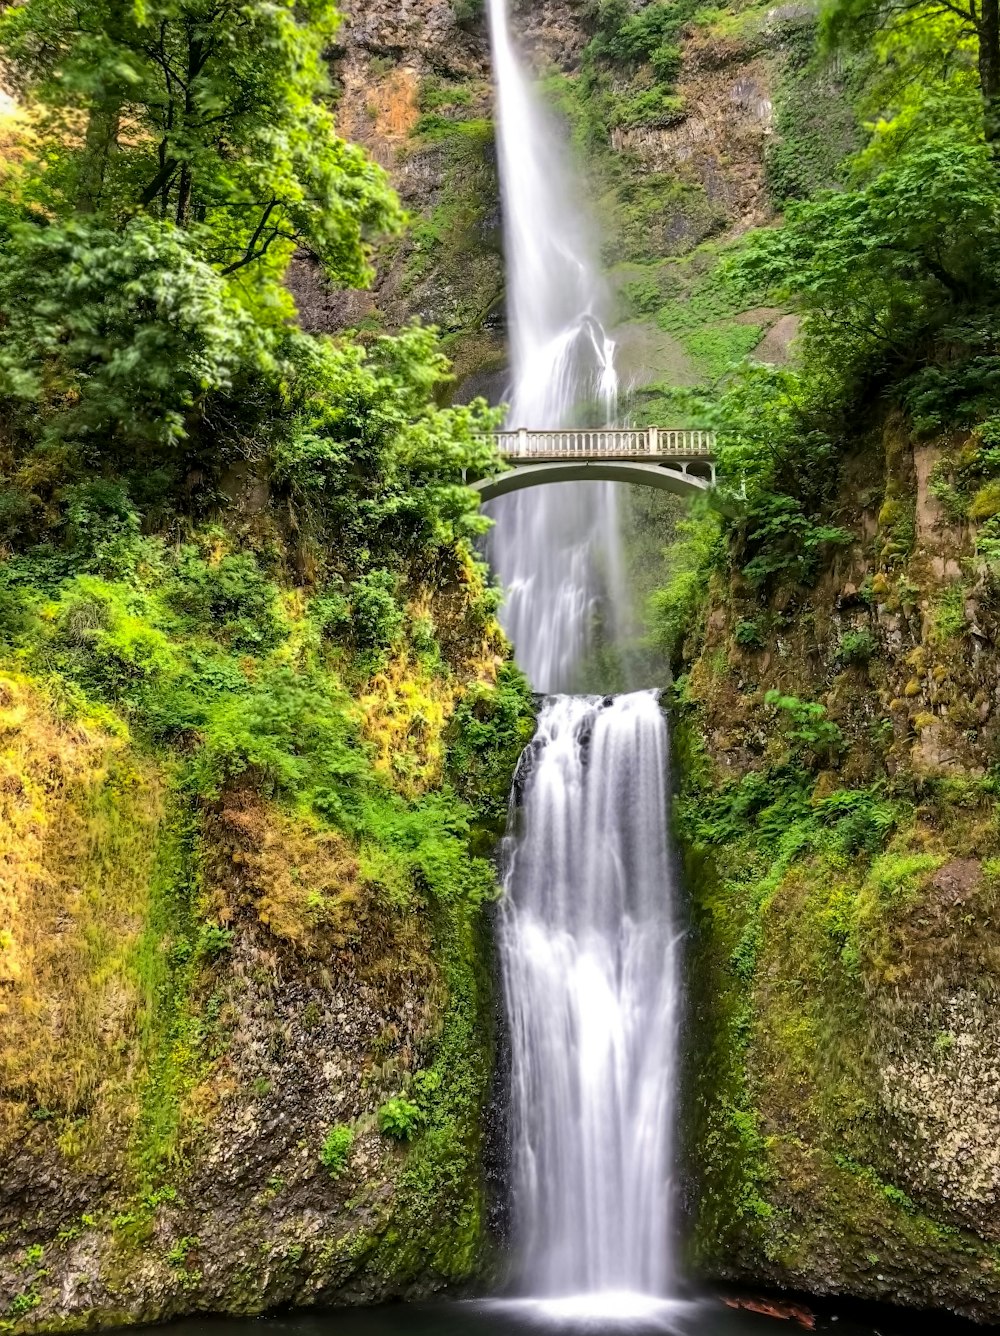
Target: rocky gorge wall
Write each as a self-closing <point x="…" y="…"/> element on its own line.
<point x="843" y="876"/>
<point x="244" y="1057"/>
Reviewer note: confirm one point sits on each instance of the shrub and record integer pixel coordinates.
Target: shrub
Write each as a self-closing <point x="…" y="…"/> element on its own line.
<point x="468" y="13"/>
<point x="856" y="647"/>
<point x="376" y="617"/>
<point x="748" y="635"/>
<point x="666" y="62"/>
<point x="335" y="1149"/>
<point x="400" y="1119"/>
<point x="214" y="941"/>
<point x="806" y="723"/>
<point x="229" y="598"/>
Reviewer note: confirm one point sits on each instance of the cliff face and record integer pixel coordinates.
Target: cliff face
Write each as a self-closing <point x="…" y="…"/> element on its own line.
<point x="244" y="1057"/>
<point x="843" y="877"/>
<point x="414" y="89"/>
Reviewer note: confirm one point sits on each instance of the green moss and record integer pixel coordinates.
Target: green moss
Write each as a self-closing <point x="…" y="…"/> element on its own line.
<point x="167" y="966"/>
<point x="438" y="1220"/>
<point x="488" y="731"/>
<point x="815" y="115"/>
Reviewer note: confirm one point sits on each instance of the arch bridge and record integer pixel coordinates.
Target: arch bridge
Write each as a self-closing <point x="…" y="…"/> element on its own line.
<point x="670" y="459"/>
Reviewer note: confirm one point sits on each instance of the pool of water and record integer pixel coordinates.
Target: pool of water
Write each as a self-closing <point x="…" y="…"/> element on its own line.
<point x="611" y="1315"/>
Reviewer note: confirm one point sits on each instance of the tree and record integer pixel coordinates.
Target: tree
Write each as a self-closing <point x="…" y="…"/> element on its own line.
<point x="855" y="21"/>
<point x="886" y="271"/>
<point x="206" y="113"/>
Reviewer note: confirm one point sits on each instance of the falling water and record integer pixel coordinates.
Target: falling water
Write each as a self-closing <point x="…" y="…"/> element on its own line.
<point x="586" y="926"/>
<point x="587" y="946"/>
<point x="557" y="550"/>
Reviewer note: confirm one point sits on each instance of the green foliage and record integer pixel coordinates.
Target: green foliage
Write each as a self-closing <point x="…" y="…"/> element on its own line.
<point x="210" y="115"/>
<point x="214" y="940"/>
<point x="648" y="106"/>
<point x="643" y="47"/>
<point x="370" y="459"/>
<point x="400" y="1119"/>
<point x="376" y="617"/>
<point x="786" y="542"/>
<point x="806" y="723"/>
<point x="856" y="648"/>
<point x="488" y="732"/>
<point x="229" y="598"/>
<point x="629" y="37"/>
<point x="436" y="94"/>
<point x="115" y="336"/>
<point x="948" y="614"/>
<point x="469" y="14"/>
<point x="894" y="267"/>
<point x="24" y="1303"/>
<point x="691" y="559"/>
<point x="335" y="1150"/>
<point x="748" y="635"/>
<point x="815" y="115"/>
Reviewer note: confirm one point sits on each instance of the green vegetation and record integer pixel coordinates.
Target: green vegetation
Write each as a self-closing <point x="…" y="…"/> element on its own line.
<point x="400" y="1119"/>
<point x="252" y="683"/>
<point x="643" y="47"/>
<point x="335" y="1150"/>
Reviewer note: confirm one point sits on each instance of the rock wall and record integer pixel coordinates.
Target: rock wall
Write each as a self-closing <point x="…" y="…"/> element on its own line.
<point x="843" y="874"/>
<point x="414" y="88"/>
<point x="245" y="1057"/>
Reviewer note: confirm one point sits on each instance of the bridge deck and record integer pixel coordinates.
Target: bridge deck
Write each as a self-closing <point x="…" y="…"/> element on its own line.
<point x="641" y="443"/>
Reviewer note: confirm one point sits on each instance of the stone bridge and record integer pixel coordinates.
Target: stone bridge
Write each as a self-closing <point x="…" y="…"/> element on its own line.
<point x="667" y="458"/>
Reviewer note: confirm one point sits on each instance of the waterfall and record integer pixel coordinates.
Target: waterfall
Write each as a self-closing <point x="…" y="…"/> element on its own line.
<point x="586" y="929"/>
<point x="557" y="550"/>
<point x="590" y="980"/>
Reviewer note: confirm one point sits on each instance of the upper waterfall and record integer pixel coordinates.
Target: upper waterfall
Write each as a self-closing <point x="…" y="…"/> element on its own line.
<point x="562" y="361"/>
<point x="558" y="550"/>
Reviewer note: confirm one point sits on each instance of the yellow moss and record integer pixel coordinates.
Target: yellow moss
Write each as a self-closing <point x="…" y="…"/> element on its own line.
<point x="986" y="503"/>
<point x="408" y="704"/>
<point x="404" y="717"/>
<point x="940" y="673"/>
<point x="78" y="822"/>
<point x="303" y="882"/>
<point x="880" y="584"/>
<point x="912" y="688"/>
<point x="917" y="658"/>
<point x="889" y="513"/>
<point x="923" y="720"/>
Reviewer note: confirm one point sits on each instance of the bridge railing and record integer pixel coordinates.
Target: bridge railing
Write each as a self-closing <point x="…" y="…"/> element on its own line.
<point x="605" y="443"/>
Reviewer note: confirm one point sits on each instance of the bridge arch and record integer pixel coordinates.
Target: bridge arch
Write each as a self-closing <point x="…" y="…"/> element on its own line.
<point x="665" y="477"/>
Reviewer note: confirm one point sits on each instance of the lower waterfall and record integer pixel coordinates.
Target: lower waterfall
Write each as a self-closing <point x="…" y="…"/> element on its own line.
<point x="588" y="951"/>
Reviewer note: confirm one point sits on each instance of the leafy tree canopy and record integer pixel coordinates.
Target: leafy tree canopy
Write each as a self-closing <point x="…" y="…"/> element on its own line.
<point x="209" y="113"/>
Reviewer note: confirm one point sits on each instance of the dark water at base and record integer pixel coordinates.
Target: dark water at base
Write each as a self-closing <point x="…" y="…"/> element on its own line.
<point x="706" y="1317"/>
